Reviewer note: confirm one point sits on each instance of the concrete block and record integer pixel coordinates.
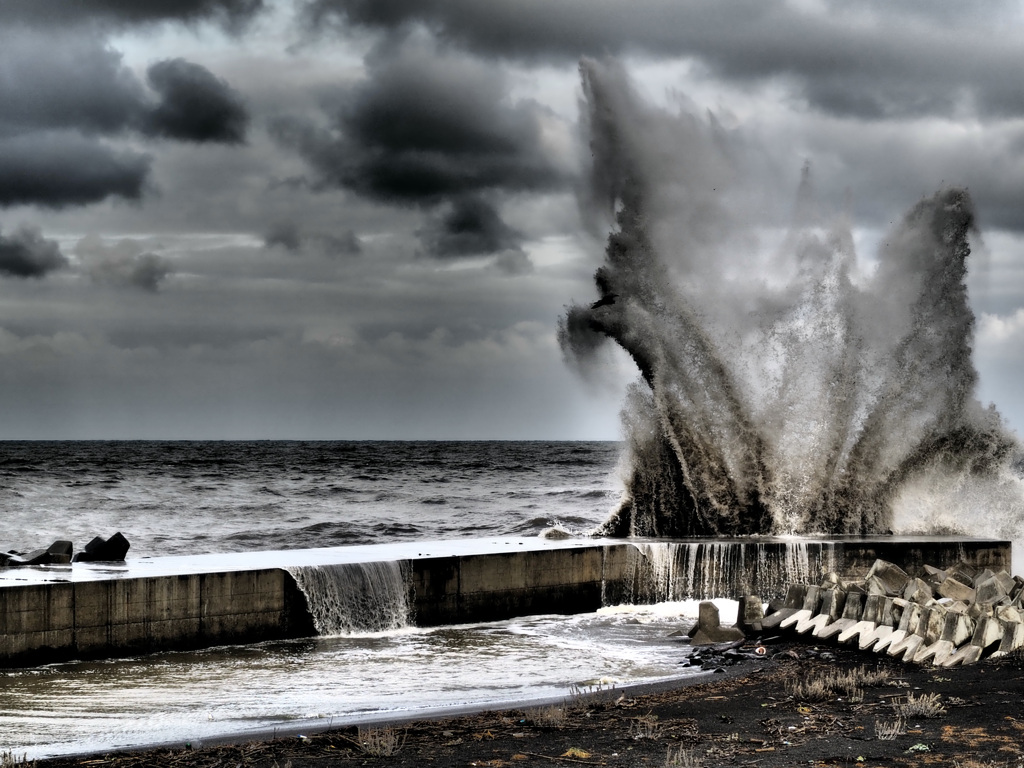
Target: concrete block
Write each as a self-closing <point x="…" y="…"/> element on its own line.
<point x="832" y="603"/>
<point x="857" y="631"/>
<point x="988" y="631"/>
<point x="877" y="640"/>
<point x="854" y="606"/>
<point x="795" y="596"/>
<point x="1010" y="614"/>
<point x="1006" y="580"/>
<point x="1013" y="638"/>
<point x="963" y="572"/>
<point x="989" y="590"/>
<point x="750" y="613"/>
<point x="886" y="578"/>
<point x="889" y="614"/>
<point x="794" y="618"/>
<point x="977" y="610"/>
<point x="918" y="590"/>
<point x="794" y="602"/>
<point x="958" y="629"/>
<point x="967" y="654"/>
<point x="931" y="626"/>
<point x="957" y="590"/>
<point x="812" y="598"/>
<point x="874" y="608"/>
<point x="908" y="625"/>
<point x="883" y="640"/>
<point x="934" y="576"/>
<point x="812" y="623"/>
<point x="837" y="627"/>
<point x="911" y="618"/>
<point x="709" y="628"/>
<point x="773" y="620"/>
<point x="936" y="652"/>
<point x="907" y="647"/>
<point x="831" y="580"/>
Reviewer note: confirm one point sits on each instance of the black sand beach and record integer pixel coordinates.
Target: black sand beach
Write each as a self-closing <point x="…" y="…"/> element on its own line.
<point x="752" y="715"/>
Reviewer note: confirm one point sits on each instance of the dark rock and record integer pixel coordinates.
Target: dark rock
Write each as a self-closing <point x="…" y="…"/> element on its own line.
<point x="104" y="550"/>
<point x="58" y="553"/>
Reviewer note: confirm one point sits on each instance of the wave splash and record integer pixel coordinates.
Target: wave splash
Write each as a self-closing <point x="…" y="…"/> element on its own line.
<point x="786" y="387"/>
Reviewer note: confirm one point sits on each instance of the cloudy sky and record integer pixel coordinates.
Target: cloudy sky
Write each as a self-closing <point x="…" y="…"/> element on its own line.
<point x="362" y="219"/>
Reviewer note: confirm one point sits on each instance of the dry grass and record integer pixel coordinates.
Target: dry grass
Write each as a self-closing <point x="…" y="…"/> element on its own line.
<point x="888" y="730"/>
<point x="381" y="742"/>
<point x="925" y="705"/>
<point x="645" y="727"/>
<point x="8" y="758"/>
<point x="681" y="757"/>
<point x="553" y="716"/>
<point x="823" y="685"/>
<point x="579" y="696"/>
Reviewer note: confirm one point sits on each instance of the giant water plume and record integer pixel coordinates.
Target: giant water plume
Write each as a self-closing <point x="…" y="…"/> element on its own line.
<point x="786" y="386"/>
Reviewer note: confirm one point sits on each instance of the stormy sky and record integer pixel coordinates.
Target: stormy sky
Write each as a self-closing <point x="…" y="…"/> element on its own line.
<point x="362" y="218"/>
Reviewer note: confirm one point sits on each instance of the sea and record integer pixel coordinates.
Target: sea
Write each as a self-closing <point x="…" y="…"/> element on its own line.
<point x="174" y="498"/>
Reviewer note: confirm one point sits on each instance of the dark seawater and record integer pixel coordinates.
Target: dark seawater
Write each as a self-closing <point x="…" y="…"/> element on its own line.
<point x="178" y="497"/>
<point x="181" y="497"/>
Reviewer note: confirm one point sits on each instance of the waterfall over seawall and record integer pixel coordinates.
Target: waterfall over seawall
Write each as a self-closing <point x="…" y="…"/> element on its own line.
<point x="664" y="571"/>
<point x="356" y="597"/>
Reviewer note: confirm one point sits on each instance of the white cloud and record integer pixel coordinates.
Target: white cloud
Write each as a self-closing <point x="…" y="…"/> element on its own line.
<point x="1001" y="335"/>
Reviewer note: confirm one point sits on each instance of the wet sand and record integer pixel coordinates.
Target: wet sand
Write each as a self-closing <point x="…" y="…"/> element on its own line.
<point x="749" y="716"/>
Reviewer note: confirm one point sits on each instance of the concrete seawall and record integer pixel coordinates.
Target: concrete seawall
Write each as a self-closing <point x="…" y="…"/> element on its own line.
<point x="53" y="613"/>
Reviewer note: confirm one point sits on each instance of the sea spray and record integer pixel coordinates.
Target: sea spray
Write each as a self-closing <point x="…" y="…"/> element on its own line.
<point x="356" y="597"/>
<point x="784" y="389"/>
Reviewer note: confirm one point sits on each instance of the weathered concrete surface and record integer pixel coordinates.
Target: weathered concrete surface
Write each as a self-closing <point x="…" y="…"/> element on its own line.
<point x="85" y="610"/>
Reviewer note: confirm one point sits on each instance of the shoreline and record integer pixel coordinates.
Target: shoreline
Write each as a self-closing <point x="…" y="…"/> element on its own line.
<point x="313" y="726"/>
<point x="751" y="715"/>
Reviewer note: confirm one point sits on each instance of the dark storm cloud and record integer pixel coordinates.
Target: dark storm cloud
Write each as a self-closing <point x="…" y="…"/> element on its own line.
<point x="79" y="84"/>
<point x="64" y="114"/>
<point x="233" y="13"/>
<point x="424" y="127"/>
<point x="471" y="227"/>
<point x="287" y="235"/>
<point x="27" y="253"/>
<point x="83" y="85"/>
<point x="194" y="105"/>
<point x="58" y="169"/>
<point x="865" y="60"/>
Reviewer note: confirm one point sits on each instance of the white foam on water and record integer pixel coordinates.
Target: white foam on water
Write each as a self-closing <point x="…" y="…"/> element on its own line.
<point x="174" y="698"/>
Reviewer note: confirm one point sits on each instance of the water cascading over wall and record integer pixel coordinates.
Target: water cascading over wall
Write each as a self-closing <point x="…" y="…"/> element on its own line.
<point x="356" y="597"/>
<point x="666" y="571"/>
<point x="784" y="388"/>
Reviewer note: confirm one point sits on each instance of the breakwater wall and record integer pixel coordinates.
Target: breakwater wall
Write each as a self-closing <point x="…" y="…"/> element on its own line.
<point x="53" y="613"/>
